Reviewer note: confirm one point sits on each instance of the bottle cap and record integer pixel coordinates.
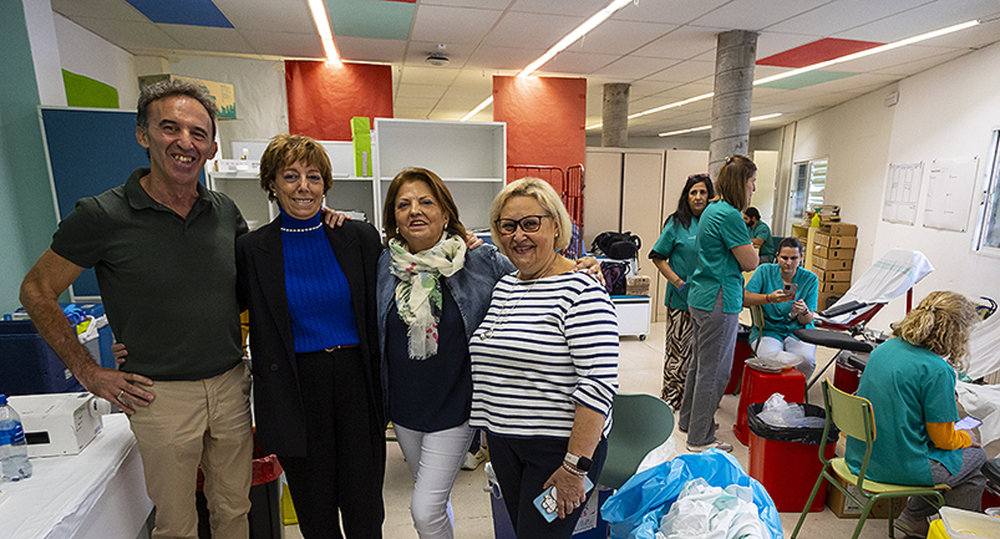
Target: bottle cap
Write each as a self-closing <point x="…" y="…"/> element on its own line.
<point x="3" y="399"/>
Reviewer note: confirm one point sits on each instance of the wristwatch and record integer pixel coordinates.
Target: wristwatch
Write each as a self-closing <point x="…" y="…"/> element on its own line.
<point x="580" y="463"/>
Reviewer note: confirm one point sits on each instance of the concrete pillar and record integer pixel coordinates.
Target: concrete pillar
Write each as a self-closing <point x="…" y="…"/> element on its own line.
<point x="736" y="52"/>
<point x="614" y="131"/>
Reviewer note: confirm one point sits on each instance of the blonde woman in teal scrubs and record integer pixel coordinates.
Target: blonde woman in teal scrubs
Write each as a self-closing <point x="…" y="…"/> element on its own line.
<point x="716" y="299"/>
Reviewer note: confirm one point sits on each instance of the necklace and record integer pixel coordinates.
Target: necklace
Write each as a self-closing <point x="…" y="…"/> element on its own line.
<point x="505" y="312"/>
<point x="310" y="229"/>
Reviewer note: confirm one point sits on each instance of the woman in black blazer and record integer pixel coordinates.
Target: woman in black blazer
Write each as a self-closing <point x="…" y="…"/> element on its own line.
<point x="317" y="390"/>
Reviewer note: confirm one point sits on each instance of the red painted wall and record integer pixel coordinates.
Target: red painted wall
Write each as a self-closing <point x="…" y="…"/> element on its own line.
<point x="322" y="97"/>
<point x="545" y="119"/>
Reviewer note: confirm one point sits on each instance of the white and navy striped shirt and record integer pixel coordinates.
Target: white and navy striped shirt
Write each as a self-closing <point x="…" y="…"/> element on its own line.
<point x="544" y="346"/>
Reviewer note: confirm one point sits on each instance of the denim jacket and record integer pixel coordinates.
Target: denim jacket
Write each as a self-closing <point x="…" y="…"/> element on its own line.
<point x="471" y="287"/>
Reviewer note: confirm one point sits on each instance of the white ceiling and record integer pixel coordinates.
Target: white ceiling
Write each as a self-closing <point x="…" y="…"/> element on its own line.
<point x="665" y="48"/>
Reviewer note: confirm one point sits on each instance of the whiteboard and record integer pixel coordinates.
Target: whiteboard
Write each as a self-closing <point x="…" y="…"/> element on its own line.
<point x="950" y="191"/>
<point x="902" y="192"/>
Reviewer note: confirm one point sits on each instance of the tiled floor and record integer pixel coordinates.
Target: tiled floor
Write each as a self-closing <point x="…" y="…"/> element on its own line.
<point x="640" y="367"/>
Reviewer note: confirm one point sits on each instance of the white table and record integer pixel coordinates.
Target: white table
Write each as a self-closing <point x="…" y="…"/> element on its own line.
<point x="100" y="493"/>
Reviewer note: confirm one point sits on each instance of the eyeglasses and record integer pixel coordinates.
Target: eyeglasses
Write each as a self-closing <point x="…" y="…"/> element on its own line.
<point x="528" y="223"/>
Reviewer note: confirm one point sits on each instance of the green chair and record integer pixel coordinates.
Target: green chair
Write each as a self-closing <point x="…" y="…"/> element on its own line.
<point x="757" y="320"/>
<point x="641" y="423"/>
<point x="854" y="417"/>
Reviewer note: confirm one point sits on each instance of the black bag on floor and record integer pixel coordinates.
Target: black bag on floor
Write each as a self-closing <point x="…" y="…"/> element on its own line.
<point x="617" y="245"/>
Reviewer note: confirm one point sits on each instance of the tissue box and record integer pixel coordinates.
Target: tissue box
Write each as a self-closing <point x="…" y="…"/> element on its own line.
<point x="637" y="285"/>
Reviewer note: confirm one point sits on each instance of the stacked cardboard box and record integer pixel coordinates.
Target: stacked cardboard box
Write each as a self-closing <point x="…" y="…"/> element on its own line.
<point x="832" y="261"/>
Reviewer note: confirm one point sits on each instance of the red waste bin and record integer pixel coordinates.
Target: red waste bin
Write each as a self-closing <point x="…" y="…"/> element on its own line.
<point x="758" y="386"/>
<point x="789" y="469"/>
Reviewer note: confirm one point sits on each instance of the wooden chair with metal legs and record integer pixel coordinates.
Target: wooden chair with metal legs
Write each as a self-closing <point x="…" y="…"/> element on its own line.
<point x="855" y="418"/>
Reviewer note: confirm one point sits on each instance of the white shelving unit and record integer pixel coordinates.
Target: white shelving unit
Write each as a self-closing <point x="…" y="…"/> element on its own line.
<point x="471" y="158"/>
<point x="348" y="193"/>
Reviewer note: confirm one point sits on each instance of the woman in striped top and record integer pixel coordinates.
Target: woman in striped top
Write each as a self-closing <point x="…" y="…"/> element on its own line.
<point x="544" y="364"/>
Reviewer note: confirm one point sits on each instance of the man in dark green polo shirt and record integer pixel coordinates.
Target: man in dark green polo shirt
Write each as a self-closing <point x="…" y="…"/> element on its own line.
<point x="163" y="248"/>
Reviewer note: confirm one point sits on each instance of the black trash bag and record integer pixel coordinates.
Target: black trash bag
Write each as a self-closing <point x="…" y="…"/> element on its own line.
<point x="617" y="245"/>
<point x="743" y="333"/>
<point x="790" y="434"/>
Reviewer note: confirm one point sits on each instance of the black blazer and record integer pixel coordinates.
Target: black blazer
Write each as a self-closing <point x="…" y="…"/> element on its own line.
<point x="278" y="409"/>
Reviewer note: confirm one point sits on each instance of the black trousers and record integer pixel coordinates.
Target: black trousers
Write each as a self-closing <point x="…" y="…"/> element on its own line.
<point x="341" y="475"/>
<point x="522" y="466"/>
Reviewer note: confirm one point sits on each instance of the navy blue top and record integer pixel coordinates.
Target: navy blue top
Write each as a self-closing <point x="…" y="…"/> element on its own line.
<point x="319" y="298"/>
<point x="435" y="393"/>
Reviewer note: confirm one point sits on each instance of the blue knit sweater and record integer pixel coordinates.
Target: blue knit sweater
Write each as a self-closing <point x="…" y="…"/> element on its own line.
<point x="319" y="298"/>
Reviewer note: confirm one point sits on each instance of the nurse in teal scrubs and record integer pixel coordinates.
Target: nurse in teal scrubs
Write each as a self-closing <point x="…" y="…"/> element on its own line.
<point x="910" y="381"/>
<point x="785" y="313"/>
<point x="716" y="299"/>
<point x="676" y="255"/>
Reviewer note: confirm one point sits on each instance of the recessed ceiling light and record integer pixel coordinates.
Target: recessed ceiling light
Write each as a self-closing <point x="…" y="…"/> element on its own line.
<point x="322" y="21"/>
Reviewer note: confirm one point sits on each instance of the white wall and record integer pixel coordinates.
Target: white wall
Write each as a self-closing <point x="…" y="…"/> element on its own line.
<point x="944" y="113"/>
<point x="84" y="53"/>
<point x="38" y="17"/>
<point x="259" y="88"/>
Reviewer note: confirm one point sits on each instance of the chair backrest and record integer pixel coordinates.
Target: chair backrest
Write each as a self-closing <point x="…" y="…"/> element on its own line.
<point x="641" y="423"/>
<point x="854" y="417"/>
<point x="757" y="319"/>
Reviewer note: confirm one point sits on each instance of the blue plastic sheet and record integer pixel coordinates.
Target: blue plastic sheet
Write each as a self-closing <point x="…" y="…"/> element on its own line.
<point x="636" y="509"/>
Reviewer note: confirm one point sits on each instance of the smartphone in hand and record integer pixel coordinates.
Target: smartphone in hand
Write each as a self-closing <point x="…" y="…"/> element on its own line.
<point x="967" y="423"/>
<point x="546" y="501"/>
<point x="790" y="289"/>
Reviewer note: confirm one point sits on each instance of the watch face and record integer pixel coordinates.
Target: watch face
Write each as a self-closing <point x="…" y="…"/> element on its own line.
<point x="583" y="464"/>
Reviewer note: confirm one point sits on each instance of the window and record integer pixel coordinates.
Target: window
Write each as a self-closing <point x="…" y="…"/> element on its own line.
<point x="988" y="237"/>
<point x="808" y="187"/>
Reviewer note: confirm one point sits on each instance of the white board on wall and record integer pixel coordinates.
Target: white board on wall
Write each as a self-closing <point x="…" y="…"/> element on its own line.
<point x="951" y="187"/>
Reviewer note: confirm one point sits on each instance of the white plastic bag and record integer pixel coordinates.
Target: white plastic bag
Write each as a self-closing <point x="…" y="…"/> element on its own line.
<point x="779" y="413"/>
<point x="706" y="512"/>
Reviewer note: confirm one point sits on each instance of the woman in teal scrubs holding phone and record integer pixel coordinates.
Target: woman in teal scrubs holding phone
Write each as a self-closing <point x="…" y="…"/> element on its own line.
<point x="716" y="299"/>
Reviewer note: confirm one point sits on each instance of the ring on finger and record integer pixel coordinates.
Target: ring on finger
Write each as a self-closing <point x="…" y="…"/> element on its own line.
<point x="121" y="394"/>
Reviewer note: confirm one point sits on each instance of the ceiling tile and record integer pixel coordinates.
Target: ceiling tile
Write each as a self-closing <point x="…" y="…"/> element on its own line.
<point x="912" y="68"/>
<point x="630" y="68"/>
<point x="129" y="35"/>
<point x="485" y="4"/>
<point x="817" y="51"/>
<point x="285" y="44"/>
<point x="682" y="43"/>
<point x="836" y="17"/>
<point x="532" y="31"/>
<point x="201" y="13"/>
<point x="620" y="37"/>
<point x="411" y="114"/>
<point x="415" y="102"/>
<point x="577" y="62"/>
<point x="365" y="18"/>
<point x="441" y="76"/>
<point x="496" y="57"/>
<point x="770" y="43"/>
<point x="585" y="8"/>
<point x="926" y="18"/>
<point x="676" y="13"/>
<point x="757" y="14"/>
<point x="452" y="24"/>
<point x="366" y="49"/>
<point x="884" y="60"/>
<point x="98" y="9"/>
<point x="276" y="16"/>
<point x="684" y="72"/>
<point x="208" y="39"/>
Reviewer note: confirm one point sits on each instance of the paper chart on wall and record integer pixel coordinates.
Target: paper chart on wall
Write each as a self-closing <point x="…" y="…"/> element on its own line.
<point x="950" y="189"/>
<point x="902" y="192"/>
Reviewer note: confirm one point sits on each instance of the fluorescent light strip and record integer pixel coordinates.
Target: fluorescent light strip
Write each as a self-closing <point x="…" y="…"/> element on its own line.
<point x="570" y="38"/>
<point x="486" y="102"/>
<point x="868" y="52"/>
<point x="576" y="34"/>
<point x="707" y="127"/>
<point x="319" y="15"/>
<point x="814" y="67"/>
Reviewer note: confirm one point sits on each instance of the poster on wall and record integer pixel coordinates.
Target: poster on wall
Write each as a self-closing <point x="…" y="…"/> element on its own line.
<point x="951" y="187"/>
<point x="902" y="192"/>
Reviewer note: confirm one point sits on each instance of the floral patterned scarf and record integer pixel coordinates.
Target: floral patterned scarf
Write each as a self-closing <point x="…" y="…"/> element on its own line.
<point x="418" y="294"/>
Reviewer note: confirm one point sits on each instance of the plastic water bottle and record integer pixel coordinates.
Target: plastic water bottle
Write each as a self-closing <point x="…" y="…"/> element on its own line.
<point x="14" y="464"/>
